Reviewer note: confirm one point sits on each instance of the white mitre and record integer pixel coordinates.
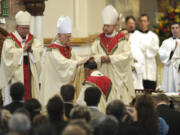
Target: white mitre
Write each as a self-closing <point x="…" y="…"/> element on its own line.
<point x="23" y="18"/>
<point x="109" y="15"/>
<point x="64" y="25"/>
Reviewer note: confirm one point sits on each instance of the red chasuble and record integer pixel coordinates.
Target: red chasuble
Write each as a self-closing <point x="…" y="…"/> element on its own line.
<point x="110" y="44"/>
<point x="103" y="83"/>
<point x="26" y="66"/>
<point x="65" y="51"/>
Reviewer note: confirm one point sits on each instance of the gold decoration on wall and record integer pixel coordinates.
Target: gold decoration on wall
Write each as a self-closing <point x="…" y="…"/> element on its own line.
<point x="76" y="41"/>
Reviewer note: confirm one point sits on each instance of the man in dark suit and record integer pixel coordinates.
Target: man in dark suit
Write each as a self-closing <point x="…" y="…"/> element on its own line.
<point x="92" y="97"/>
<point x="17" y="94"/>
<point x="171" y="116"/>
<point x="67" y="93"/>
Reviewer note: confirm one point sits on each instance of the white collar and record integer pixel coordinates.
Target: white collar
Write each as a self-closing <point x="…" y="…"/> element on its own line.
<point x="68" y="103"/>
<point x="93" y="107"/>
<point x="21" y="101"/>
<point x="162" y="104"/>
<point x="96" y="73"/>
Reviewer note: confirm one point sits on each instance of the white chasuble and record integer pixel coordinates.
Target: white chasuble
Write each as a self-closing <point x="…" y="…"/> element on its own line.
<point x="119" y="67"/>
<point x="148" y="43"/>
<point x="139" y="62"/>
<point x="60" y="68"/>
<point x="11" y="68"/>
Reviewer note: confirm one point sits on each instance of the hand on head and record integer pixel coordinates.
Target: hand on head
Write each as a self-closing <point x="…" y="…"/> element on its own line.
<point x="105" y="59"/>
<point x="81" y="62"/>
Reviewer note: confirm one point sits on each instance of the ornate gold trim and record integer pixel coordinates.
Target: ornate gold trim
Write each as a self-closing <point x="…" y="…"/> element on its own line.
<point x="75" y="41"/>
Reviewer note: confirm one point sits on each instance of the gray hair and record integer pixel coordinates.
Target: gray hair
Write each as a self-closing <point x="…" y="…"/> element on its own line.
<point x="19" y="122"/>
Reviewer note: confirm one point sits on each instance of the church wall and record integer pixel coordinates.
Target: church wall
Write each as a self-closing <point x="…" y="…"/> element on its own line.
<point x="126" y="8"/>
<point x="95" y="8"/>
<point x="85" y="14"/>
<point x="54" y="9"/>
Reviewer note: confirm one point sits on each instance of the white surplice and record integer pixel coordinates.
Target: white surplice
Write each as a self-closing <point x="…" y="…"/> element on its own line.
<point x="170" y="74"/>
<point x="138" y="62"/>
<point x="149" y="45"/>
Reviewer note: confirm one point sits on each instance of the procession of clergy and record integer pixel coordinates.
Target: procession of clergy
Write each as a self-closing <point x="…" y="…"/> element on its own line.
<point x="120" y="61"/>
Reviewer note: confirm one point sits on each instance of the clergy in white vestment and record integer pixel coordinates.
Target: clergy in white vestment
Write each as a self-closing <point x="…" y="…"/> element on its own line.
<point x="113" y="55"/>
<point x="148" y="42"/>
<point x="60" y="62"/>
<point x="94" y="78"/>
<point x="20" y="61"/>
<point x="138" y="62"/>
<point x="170" y="56"/>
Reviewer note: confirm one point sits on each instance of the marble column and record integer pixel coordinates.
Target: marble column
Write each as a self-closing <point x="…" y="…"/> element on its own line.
<point x="80" y="13"/>
<point x="32" y="25"/>
<point x="38" y="27"/>
<point x="36" y="8"/>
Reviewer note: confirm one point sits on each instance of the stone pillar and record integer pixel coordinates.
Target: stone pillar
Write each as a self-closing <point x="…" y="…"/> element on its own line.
<point x="32" y="25"/>
<point x="38" y="27"/>
<point x="36" y="8"/>
<point x="80" y="13"/>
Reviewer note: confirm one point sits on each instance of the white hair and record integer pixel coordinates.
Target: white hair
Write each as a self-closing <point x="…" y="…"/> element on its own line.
<point x="19" y="122"/>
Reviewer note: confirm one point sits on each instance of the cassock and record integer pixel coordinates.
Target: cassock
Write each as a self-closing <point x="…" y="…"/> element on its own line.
<point x="176" y="63"/>
<point x="138" y="62"/>
<point x="167" y="57"/>
<point x="148" y="43"/>
<point x="60" y="67"/>
<point x="103" y="83"/>
<point x="20" y="66"/>
<point x="119" y="67"/>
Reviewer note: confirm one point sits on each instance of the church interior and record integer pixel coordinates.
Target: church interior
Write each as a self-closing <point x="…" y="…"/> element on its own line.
<point x="86" y="18"/>
<point x="138" y="105"/>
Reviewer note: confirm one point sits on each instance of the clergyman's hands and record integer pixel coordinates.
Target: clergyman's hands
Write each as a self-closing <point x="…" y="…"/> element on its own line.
<point x="27" y="46"/>
<point x="81" y="62"/>
<point x="105" y="59"/>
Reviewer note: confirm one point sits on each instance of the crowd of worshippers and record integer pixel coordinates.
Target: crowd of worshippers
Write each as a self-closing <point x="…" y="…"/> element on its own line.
<point x="145" y="116"/>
